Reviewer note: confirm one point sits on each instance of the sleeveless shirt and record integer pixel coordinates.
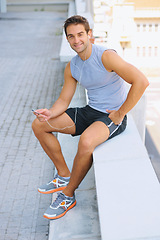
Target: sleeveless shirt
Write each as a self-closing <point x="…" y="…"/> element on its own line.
<point x="105" y="90"/>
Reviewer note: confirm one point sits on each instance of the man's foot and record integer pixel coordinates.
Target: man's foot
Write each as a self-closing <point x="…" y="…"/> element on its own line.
<point x="57" y="184"/>
<point x="60" y="206"/>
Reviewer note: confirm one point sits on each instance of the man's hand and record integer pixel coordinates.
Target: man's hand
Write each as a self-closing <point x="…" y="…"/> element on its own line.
<point x="115" y="116"/>
<point x="43" y="115"/>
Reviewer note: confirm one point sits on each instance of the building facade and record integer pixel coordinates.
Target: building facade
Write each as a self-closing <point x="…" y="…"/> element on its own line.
<point x="132" y="27"/>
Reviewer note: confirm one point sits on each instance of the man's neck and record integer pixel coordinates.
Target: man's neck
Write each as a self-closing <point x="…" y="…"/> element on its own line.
<point x="86" y="53"/>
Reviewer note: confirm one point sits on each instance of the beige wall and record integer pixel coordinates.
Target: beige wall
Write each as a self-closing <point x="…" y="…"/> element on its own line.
<point x="144" y="3"/>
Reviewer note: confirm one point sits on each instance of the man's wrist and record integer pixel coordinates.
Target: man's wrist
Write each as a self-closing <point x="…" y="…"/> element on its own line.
<point x="121" y="113"/>
<point x="52" y="112"/>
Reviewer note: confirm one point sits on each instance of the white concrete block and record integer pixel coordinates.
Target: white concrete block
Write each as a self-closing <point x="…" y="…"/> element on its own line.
<point x="128" y="199"/>
<point x="66" y="52"/>
<point x="127" y="145"/>
<point x="139" y="116"/>
<point x="127" y="187"/>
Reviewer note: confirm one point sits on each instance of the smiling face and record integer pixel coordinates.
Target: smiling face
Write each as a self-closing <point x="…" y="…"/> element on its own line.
<point x="77" y="38"/>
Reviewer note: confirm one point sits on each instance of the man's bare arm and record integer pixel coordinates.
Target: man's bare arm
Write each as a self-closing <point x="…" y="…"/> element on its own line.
<point x="62" y="103"/>
<point x="113" y="62"/>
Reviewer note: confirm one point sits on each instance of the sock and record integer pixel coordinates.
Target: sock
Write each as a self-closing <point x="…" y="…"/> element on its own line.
<point x="65" y="178"/>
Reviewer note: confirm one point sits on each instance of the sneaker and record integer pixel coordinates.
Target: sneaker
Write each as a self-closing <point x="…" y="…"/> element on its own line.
<point x="57" y="184"/>
<point x="60" y="206"/>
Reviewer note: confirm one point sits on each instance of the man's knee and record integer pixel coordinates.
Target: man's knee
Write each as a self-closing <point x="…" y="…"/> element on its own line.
<point x="85" y="144"/>
<point x="37" y="127"/>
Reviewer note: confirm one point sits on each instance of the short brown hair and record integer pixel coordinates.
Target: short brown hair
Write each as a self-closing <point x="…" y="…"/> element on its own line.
<point x="76" y="19"/>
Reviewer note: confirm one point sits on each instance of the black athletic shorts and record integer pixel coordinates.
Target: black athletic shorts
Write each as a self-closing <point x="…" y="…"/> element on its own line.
<point x="85" y="116"/>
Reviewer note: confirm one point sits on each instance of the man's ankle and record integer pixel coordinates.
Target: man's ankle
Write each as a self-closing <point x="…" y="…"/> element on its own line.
<point x="68" y="193"/>
<point x="64" y="175"/>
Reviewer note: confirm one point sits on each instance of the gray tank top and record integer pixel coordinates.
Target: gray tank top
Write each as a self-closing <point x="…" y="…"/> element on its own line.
<point x="106" y="90"/>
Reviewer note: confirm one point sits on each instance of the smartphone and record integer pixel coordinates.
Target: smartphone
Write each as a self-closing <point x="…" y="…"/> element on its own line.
<point x="35" y="112"/>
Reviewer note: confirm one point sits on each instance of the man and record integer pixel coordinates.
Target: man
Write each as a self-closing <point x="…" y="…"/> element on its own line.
<point x="102" y="72"/>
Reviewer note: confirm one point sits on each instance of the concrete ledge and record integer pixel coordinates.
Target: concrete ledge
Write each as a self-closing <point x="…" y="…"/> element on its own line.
<point x="66" y="53"/>
<point x="127" y="187"/>
<point x="81" y="8"/>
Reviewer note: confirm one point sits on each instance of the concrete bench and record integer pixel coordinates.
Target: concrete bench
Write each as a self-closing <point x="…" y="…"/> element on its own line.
<point x="128" y="190"/>
<point x="66" y="53"/>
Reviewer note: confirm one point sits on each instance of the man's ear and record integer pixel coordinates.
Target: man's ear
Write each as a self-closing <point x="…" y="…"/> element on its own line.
<point x="89" y="34"/>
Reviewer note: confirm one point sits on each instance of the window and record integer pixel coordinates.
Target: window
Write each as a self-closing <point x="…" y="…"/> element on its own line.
<point x="156" y="27"/>
<point x="150" y="27"/>
<point x="144" y="52"/>
<point x="138" y="27"/>
<point x="144" y="27"/>
<point x="155" y="51"/>
<point x="150" y="51"/>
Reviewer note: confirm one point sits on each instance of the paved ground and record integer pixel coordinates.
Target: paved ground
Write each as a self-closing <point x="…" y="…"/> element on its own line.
<point x="31" y="76"/>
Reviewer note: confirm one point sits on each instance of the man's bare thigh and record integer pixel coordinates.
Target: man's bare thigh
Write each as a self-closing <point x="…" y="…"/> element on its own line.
<point x="96" y="133"/>
<point x="62" y="124"/>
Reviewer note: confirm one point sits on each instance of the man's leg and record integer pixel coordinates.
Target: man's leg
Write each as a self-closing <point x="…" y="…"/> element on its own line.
<point x="49" y="142"/>
<point x="93" y="136"/>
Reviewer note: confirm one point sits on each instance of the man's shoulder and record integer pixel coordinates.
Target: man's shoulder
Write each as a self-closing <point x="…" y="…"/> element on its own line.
<point x="97" y="47"/>
<point x="98" y="50"/>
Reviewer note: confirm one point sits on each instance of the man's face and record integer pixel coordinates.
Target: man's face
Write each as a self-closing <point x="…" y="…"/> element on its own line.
<point x="77" y="37"/>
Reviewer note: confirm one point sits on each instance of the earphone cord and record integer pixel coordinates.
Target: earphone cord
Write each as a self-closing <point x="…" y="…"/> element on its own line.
<point x="75" y="119"/>
<point x="66" y="126"/>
